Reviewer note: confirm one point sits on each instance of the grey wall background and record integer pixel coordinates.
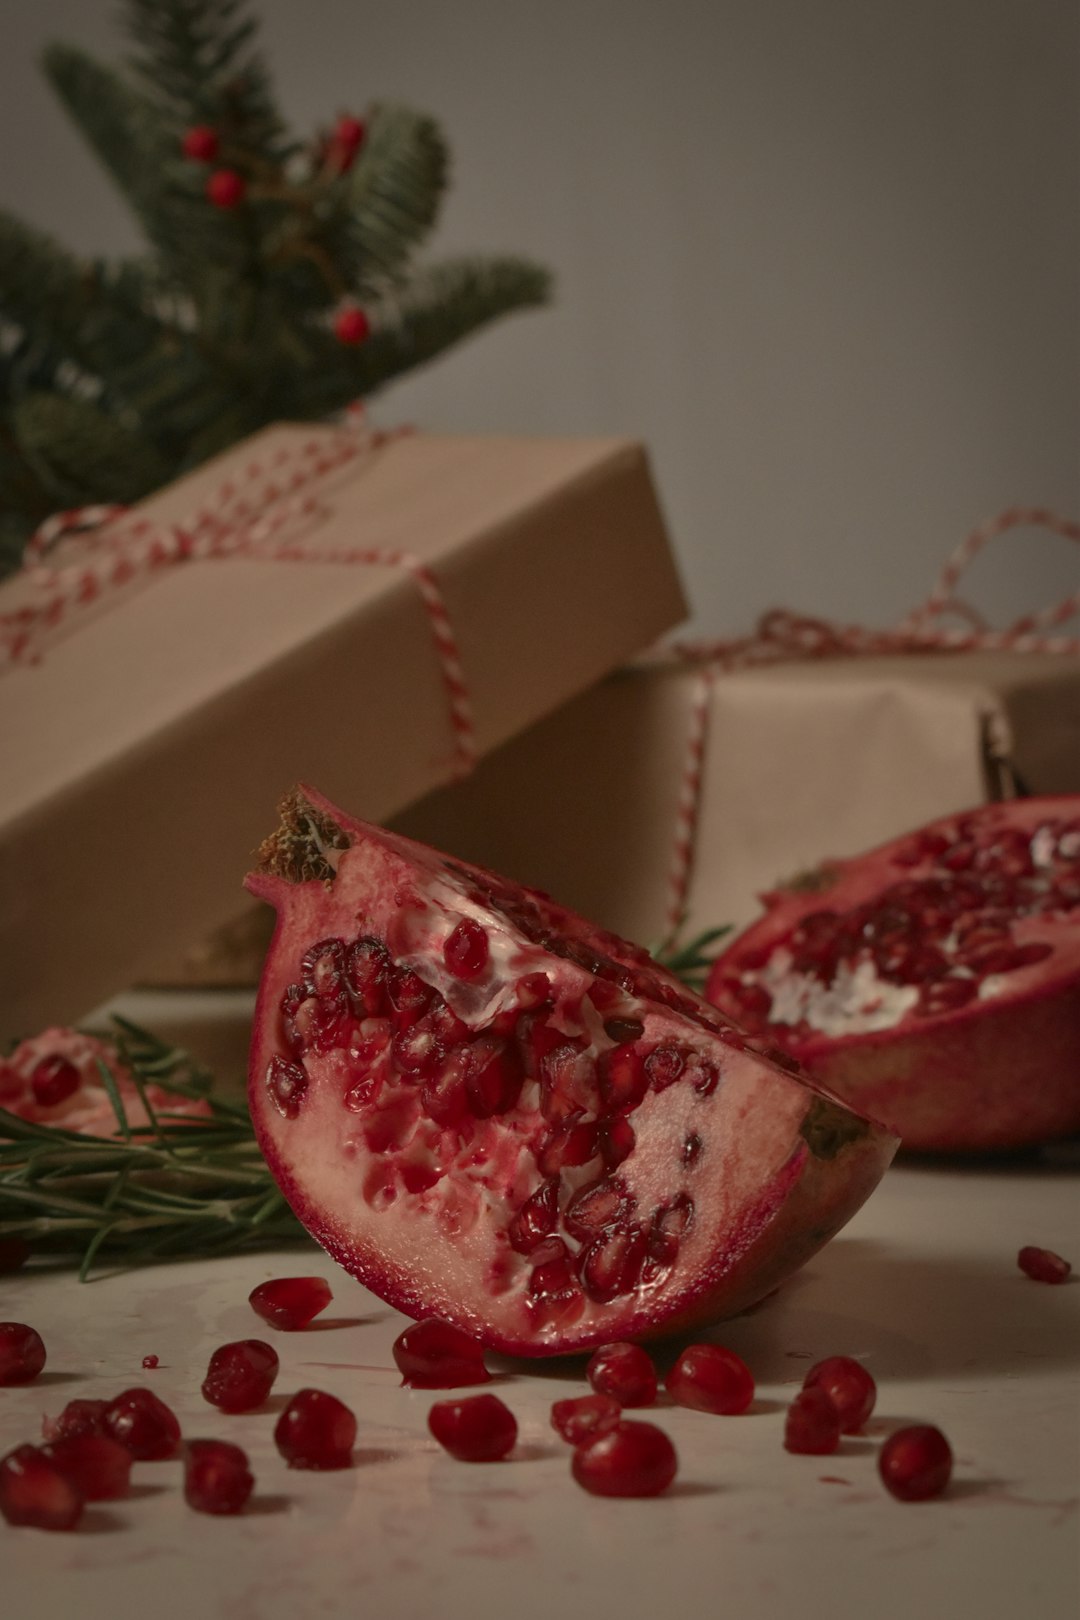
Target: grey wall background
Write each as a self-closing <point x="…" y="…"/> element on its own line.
<point x="823" y="257"/>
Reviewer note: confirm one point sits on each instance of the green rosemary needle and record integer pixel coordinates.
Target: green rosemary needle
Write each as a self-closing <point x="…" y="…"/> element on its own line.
<point x="180" y="1185"/>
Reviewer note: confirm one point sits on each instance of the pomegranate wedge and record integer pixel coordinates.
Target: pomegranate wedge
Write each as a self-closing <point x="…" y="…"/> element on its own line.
<point x="491" y="1112"/>
<point x="934" y="981"/>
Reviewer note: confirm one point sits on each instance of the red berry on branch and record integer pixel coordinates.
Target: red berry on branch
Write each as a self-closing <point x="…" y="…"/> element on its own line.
<point x="200" y="143"/>
<point x="351" y="325"/>
<point x="226" y="189"/>
<point x="349" y="132"/>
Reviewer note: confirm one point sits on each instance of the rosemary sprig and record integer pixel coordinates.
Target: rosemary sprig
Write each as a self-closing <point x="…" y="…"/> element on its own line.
<point x="180" y="1185"/>
<point x="692" y="960"/>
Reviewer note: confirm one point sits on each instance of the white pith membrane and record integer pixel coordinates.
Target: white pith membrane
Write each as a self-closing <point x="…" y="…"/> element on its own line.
<point x="857" y="998"/>
<point x="716" y="1166"/>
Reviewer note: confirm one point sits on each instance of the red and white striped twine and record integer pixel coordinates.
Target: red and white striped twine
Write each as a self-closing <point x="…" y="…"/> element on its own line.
<point x="239" y="521"/>
<point x="785" y="637"/>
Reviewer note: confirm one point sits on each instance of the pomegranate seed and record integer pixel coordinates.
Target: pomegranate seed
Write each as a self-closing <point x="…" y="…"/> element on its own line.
<point x="434" y="1354"/>
<point x="367" y="970"/>
<point x="588" y="1415"/>
<point x="323" y="967"/>
<point x="630" y="1459"/>
<point x="596" y="1207"/>
<point x="53" y="1081"/>
<point x="1041" y="1264"/>
<point x="623" y="1079"/>
<point x="621" y="1030"/>
<point x="572" y="1143"/>
<point x="410" y="997"/>
<point x="711" y="1378"/>
<point x="217" y="1478"/>
<point x="22" y="1353"/>
<point x="554" y="1294"/>
<point x="98" y="1467"/>
<point x="533" y="990"/>
<point x="812" y="1425"/>
<point x="240" y="1375"/>
<point x="78" y="1417"/>
<point x="945" y="995"/>
<point x="143" y="1424"/>
<point x="625" y="1372"/>
<point x="466" y="951"/>
<point x="34" y="1492"/>
<point x="916" y="1463"/>
<point x="14" y="1252"/>
<point x="286" y="1084"/>
<point x="663" y="1066"/>
<point x="612" y="1264"/>
<point x="849" y="1387"/>
<point x="617" y="1141"/>
<point x="536" y="1218"/>
<point x="290" y="1303"/>
<point x="316" y="1430"/>
<point x="480" y="1428"/>
<point x="494" y="1076"/>
<point x="149" y="1362"/>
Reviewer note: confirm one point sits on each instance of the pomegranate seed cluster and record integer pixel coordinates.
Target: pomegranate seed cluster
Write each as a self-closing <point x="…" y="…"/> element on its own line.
<point x="423" y="1082"/>
<point x="936" y="939"/>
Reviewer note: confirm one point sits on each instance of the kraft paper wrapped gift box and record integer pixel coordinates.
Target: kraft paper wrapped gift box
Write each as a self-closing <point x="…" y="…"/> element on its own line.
<point x="146" y="750"/>
<point x="800" y="761"/>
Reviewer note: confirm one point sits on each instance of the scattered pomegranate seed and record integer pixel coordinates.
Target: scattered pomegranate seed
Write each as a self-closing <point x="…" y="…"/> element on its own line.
<point x="217" y="1478"/>
<point x="34" y="1492"/>
<point x="711" y="1378"/>
<point x="240" y="1375"/>
<point x="78" y="1417"/>
<point x="812" y="1425"/>
<point x="625" y="1372"/>
<point x="14" y="1252"/>
<point x="54" y="1080"/>
<point x="849" y="1387"/>
<point x="581" y="1419"/>
<point x="916" y="1463"/>
<point x="22" y="1353"/>
<point x="1041" y="1264"/>
<point x="478" y="1428"/>
<point x="143" y="1424"/>
<point x="99" y="1468"/>
<point x="434" y="1354"/>
<point x="150" y="1362"/>
<point x="466" y="951"/>
<point x="631" y="1459"/>
<point x="316" y="1430"/>
<point x="290" y="1303"/>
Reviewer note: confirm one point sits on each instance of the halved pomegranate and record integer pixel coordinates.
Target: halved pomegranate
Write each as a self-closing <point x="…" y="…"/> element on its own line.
<point x="933" y="982"/>
<point x="498" y="1137"/>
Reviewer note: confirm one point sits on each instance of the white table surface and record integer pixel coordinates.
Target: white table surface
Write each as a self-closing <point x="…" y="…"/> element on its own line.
<point x="922" y="1286"/>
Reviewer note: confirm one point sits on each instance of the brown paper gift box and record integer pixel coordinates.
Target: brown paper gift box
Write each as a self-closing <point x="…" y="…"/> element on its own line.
<point x="145" y="752"/>
<point x="802" y="761"/>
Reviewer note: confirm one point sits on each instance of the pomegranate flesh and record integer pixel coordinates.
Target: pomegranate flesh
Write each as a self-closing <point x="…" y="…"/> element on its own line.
<point x="933" y="982"/>
<point x="502" y="1138"/>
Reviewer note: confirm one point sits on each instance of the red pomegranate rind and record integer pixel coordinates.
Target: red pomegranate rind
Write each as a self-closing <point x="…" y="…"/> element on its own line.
<point x="496" y="1151"/>
<point x="933" y="982"/>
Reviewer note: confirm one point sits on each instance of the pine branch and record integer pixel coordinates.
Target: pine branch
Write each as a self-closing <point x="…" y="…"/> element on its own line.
<point x="197" y="56"/>
<point x="394" y="192"/>
<point x="80" y="453"/>
<point x="440" y="306"/>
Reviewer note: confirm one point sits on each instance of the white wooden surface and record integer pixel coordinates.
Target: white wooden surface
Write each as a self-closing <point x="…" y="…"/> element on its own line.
<point x="922" y="1286"/>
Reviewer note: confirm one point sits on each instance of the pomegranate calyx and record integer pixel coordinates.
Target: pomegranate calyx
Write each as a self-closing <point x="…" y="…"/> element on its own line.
<point x="306" y="846"/>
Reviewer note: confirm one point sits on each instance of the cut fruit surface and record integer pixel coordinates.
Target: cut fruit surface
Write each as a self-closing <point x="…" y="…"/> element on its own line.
<point x="496" y="1131"/>
<point x="933" y="981"/>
